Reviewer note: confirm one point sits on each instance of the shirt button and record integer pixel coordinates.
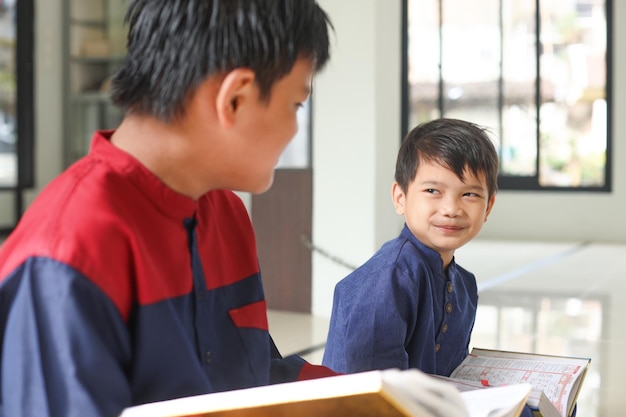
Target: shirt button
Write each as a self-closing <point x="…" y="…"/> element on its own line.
<point x="437" y="347"/>
<point x="208" y="357"/>
<point x="450" y="287"/>
<point x="448" y="308"/>
<point x="444" y="328"/>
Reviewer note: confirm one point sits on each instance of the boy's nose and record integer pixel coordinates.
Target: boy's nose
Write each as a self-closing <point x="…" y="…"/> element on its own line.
<point x="450" y="207"/>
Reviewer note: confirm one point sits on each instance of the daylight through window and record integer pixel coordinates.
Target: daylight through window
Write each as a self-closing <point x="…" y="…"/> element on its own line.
<point x="534" y="73"/>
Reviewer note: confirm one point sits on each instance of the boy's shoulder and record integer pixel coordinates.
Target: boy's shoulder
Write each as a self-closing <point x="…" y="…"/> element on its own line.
<point x="399" y="253"/>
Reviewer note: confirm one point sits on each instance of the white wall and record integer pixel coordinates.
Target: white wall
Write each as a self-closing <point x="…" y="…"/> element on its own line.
<point x="356" y="134"/>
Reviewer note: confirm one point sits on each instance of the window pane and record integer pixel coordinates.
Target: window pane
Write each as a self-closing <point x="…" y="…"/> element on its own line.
<point x="423" y="61"/>
<point x="519" y="72"/>
<point x="8" y="156"/>
<point x="297" y="153"/>
<point x="573" y="114"/>
<point x="471" y="61"/>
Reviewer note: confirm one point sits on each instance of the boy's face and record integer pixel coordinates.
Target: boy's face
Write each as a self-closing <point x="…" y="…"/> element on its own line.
<point x="267" y="127"/>
<point x="442" y="211"/>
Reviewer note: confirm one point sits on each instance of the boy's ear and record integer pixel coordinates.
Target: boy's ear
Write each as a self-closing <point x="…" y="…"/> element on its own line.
<point x="398" y="197"/>
<point x="492" y="200"/>
<point x="236" y="89"/>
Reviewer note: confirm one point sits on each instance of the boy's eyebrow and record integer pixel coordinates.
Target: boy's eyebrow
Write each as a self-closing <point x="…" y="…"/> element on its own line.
<point x="472" y="186"/>
<point x="429" y="182"/>
<point x="478" y="187"/>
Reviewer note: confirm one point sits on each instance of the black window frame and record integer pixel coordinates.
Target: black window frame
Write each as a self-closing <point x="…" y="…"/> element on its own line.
<point x="528" y="182"/>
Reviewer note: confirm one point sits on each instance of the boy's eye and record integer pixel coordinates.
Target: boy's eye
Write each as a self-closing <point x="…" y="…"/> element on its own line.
<point x="431" y="191"/>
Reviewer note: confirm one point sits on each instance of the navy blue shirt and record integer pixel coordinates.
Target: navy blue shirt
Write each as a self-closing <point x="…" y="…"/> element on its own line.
<point x="401" y="309"/>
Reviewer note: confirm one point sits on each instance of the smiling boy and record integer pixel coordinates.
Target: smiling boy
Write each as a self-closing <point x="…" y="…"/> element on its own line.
<point x="410" y="305"/>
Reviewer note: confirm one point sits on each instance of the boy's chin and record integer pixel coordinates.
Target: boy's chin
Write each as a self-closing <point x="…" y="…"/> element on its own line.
<point x="260" y="186"/>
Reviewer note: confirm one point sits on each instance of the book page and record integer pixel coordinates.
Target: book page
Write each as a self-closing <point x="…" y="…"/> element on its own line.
<point x="536" y="400"/>
<point x="465" y="385"/>
<point x="545" y="406"/>
<point x="505" y="401"/>
<point x="556" y="376"/>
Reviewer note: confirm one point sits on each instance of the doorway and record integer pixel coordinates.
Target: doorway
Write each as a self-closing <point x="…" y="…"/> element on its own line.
<point x="282" y="217"/>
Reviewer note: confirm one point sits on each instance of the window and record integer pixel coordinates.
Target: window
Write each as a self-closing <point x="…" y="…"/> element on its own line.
<point x="16" y="100"/>
<point x="297" y="154"/>
<point x="535" y="73"/>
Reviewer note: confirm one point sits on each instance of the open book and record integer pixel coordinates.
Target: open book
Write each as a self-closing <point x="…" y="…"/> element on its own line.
<point x="388" y="393"/>
<point x="556" y="380"/>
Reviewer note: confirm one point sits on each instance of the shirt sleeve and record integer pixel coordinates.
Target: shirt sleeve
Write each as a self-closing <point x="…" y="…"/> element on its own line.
<point x="527" y="412"/>
<point x="65" y="345"/>
<point x="294" y="368"/>
<point x="369" y="322"/>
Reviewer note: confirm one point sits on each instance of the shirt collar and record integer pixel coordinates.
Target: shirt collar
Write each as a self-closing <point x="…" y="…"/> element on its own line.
<point x="431" y="256"/>
<point x="167" y="200"/>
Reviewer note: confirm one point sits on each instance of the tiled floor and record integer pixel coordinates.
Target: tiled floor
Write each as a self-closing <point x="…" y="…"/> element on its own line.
<point x="561" y="298"/>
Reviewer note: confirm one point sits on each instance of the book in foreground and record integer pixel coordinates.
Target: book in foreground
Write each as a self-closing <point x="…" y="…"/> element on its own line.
<point x="388" y="393"/>
<point x="556" y="380"/>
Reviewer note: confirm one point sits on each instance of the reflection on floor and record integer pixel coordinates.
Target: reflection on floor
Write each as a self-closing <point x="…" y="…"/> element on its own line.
<point x="299" y="333"/>
<point x="552" y="298"/>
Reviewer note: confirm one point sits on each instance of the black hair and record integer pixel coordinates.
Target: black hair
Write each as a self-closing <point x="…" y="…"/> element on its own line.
<point x="456" y="144"/>
<point x="174" y="45"/>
